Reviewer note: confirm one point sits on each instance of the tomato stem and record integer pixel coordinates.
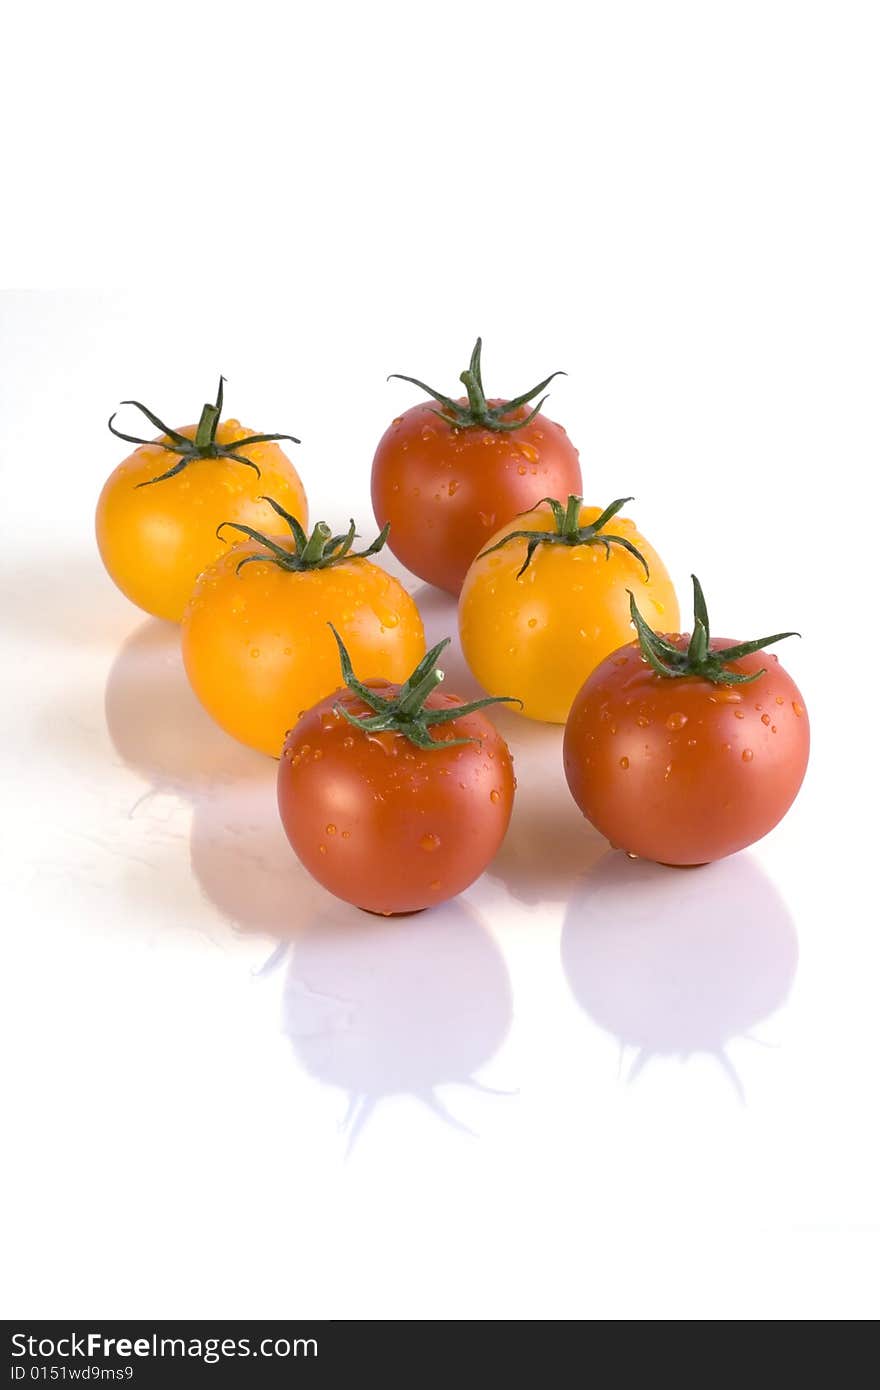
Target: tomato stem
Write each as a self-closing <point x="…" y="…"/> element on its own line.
<point x="478" y="413"/>
<point x="203" y="446"/>
<point x="407" y="713"/>
<point x="570" y="532"/>
<point x="318" y="551"/>
<point x="698" y="659"/>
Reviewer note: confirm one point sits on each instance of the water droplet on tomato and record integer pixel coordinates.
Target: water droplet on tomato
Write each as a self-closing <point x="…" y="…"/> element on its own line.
<point x="676" y="721"/>
<point x="255" y="651"/>
<point x="738" y="714"/>
<point x="452" y="487"/>
<point x="331" y="829"/>
<point x="528" y="451"/>
<point x="398" y="420"/>
<point x="624" y="763"/>
<point x="765" y="719"/>
<point x="747" y="755"/>
<point x="798" y="708"/>
<point x="428" y="432"/>
<point x="728" y="697"/>
<point x="430" y="842"/>
<point x="495" y="795"/>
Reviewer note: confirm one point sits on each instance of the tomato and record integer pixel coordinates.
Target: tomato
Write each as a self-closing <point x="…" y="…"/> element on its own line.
<point x="160" y="508"/>
<point x="547" y="600"/>
<point x="447" y="478"/>
<point x="395" y="797"/>
<point x="684" y="750"/>
<point x="256" y="645"/>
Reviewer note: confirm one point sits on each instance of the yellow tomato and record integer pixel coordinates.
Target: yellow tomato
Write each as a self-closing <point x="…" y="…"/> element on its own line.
<point x="156" y="537"/>
<point x="257" y="647"/>
<point x="540" y="611"/>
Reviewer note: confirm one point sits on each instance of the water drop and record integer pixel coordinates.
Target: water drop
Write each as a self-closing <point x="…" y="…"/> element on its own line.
<point x="798" y="708"/>
<point x="765" y="719"/>
<point x="331" y="829"/>
<point x="428" y="432"/>
<point x="430" y="842"/>
<point x="522" y="470"/>
<point x="738" y="714"/>
<point x="255" y="651"/>
<point x="528" y="451"/>
<point x="747" y="755"/>
<point x="624" y="763"/>
<point x="452" y="487"/>
<point x="676" y="721"/>
<point x="495" y="796"/>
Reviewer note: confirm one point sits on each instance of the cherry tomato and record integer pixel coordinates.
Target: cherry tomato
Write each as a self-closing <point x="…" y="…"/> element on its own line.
<point x="160" y="508"/>
<point x="686" y="749"/>
<point x="547" y="600"/>
<point x="395" y="797"/>
<point x="256" y="646"/>
<point x="447" y="475"/>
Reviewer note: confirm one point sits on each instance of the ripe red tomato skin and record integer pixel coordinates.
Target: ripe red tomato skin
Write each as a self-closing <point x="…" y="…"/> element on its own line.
<point x="446" y="492"/>
<point x="383" y="824"/>
<point x="682" y="771"/>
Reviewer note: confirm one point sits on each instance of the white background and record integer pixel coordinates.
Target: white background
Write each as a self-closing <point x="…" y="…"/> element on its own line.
<point x="677" y="203"/>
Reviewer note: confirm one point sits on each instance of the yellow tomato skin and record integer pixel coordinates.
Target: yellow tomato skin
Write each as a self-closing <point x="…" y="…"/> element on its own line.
<point x="539" y="636"/>
<point x="258" y="650"/>
<point x="155" y="541"/>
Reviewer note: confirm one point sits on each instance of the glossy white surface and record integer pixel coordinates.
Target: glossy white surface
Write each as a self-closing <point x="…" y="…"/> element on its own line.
<point x="591" y="1087"/>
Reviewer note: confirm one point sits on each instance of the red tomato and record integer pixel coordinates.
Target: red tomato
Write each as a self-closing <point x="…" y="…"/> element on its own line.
<point x="448" y="475"/>
<point x="395" y="797"/>
<point x="684" y="750"/>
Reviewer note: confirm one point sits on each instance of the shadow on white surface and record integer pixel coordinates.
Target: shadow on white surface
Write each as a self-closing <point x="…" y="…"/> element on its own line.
<point x="549" y="844"/>
<point x="158" y="727"/>
<point x="677" y="962"/>
<point x="67" y="598"/>
<point x="396" y="1007"/>
<point x="244" y="865"/>
<point x="439" y="612"/>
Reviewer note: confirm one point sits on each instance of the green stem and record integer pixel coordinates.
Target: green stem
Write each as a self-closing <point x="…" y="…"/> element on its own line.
<point x="478" y="413"/>
<point x="204" y="444"/>
<point x="476" y="399"/>
<point x="407" y="712"/>
<point x="569" y="532"/>
<point x="413" y="702"/>
<point x="316" y="544"/>
<point x="670" y="662"/>
<point x="572" y="516"/>
<point x="207" y="426"/>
